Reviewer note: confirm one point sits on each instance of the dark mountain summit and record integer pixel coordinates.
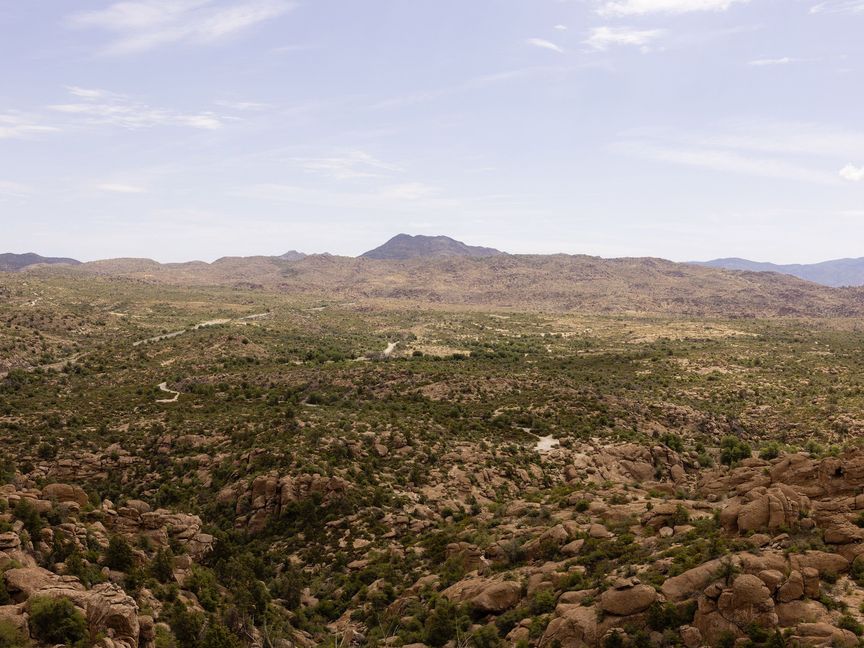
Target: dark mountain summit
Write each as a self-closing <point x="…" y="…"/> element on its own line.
<point x="405" y="246"/>
<point x="12" y="262"/>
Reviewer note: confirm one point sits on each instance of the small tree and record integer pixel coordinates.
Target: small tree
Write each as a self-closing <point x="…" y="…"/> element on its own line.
<point x="57" y="621"/>
<point x="162" y="567"/>
<point x="119" y="555"/>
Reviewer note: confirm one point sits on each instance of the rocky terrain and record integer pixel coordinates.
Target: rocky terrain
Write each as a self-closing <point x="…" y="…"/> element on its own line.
<point x="559" y="283"/>
<point x="213" y="467"/>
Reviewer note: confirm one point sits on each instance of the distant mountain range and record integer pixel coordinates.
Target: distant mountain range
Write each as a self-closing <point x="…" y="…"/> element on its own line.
<point x="405" y="246"/>
<point x="13" y="262"/>
<point x="836" y="273"/>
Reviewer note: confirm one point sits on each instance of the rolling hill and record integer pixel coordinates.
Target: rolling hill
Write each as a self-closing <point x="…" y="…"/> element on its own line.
<point x="836" y="273"/>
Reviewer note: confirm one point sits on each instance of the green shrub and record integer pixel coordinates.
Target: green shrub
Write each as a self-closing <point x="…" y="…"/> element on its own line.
<point x="733" y="449"/>
<point x="444" y="622"/>
<point x="542" y="602"/>
<point x="27" y="513"/>
<point x="162" y="567"/>
<point x="10" y="636"/>
<point x="848" y="622"/>
<point x="770" y="451"/>
<point x="218" y="636"/>
<point x="119" y="555"/>
<point x="486" y="637"/>
<point x="57" y="621"/>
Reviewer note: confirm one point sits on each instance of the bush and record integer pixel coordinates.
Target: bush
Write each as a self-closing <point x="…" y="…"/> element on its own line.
<point x="162" y="567"/>
<point x="119" y="555"/>
<point x="57" y="621"/>
<point x="486" y="637"/>
<point x="444" y="622"/>
<point x="27" y="513"/>
<point x="733" y="449"/>
<point x="218" y="636"/>
<point x="848" y="622"/>
<point x="10" y="636"/>
<point x="770" y="451"/>
<point x="542" y="602"/>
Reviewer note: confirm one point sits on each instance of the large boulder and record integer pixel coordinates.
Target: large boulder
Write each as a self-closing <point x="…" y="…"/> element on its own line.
<point x="65" y="493"/>
<point x="484" y="594"/>
<point x="627" y="597"/>
<point x="573" y="626"/>
<point x="748" y="601"/>
<point x="693" y="581"/>
<point x="764" y="509"/>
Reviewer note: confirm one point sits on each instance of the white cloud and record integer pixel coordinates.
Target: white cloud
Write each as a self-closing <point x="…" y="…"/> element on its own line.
<point x="602" y="38"/>
<point x="545" y="44"/>
<point x="15" y="125"/>
<point x="104" y="107"/>
<point x="728" y="161"/>
<point x="839" y="7"/>
<point x="641" y="7"/>
<point x="772" y="61"/>
<point x="561" y="27"/>
<point x="852" y="173"/>
<point x="113" y="187"/>
<point x="139" y="25"/>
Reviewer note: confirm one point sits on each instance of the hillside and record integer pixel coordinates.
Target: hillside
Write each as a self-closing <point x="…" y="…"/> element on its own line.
<point x="207" y="467"/>
<point x="13" y="262"/>
<point x="556" y="283"/>
<point x="405" y="246"/>
<point x="836" y="273"/>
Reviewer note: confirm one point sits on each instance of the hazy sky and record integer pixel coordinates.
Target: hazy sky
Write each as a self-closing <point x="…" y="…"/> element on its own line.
<point x="181" y="129"/>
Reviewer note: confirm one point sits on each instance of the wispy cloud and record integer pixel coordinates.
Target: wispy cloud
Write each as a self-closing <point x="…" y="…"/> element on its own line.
<point x="15" y="125"/>
<point x="348" y="165"/>
<point x="839" y="7"/>
<point x="852" y="173"/>
<point x="727" y="161"/>
<point x="10" y="189"/>
<point x="545" y="44"/>
<point x="561" y="27"/>
<point x="113" y="187"/>
<point x="602" y="38"/>
<point x="795" y="151"/>
<point x="104" y="107"/>
<point x="245" y="106"/>
<point x="785" y="60"/>
<point x="139" y="25"/>
<point x="641" y="7"/>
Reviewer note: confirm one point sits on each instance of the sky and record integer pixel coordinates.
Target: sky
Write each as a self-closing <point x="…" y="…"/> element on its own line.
<point x="195" y="129"/>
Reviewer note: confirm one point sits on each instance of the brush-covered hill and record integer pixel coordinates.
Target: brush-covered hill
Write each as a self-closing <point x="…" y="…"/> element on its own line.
<point x="536" y="282"/>
<point x="10" y="262"/>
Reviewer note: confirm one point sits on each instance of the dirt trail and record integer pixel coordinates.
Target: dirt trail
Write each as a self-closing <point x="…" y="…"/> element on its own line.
<point x="164" y="387"/>
<point x="205" y="324"/>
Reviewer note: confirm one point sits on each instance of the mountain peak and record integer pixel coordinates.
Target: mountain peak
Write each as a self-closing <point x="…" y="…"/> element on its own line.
<point x="406" y="246"/>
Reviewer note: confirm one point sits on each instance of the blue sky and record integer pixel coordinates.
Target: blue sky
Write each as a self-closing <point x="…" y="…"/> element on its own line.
<point x="193" y="129"/>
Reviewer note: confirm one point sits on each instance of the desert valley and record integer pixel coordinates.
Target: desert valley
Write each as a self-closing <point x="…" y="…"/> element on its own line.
<point x="429" y="445"/>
